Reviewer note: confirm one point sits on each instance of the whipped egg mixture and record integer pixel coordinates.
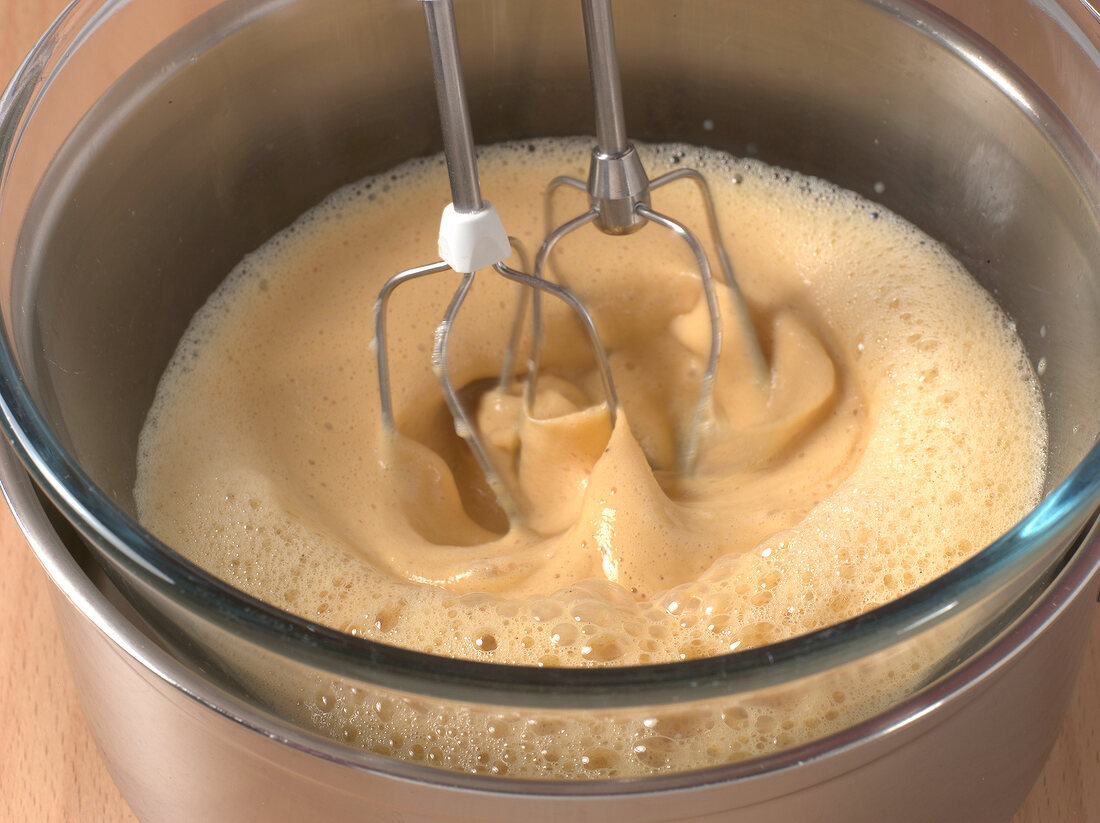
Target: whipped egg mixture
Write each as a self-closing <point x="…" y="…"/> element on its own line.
<point x="896" y="429"/>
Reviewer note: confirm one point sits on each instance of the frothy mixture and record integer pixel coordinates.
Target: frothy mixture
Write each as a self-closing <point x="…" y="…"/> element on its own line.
<point x="898" y="430"/>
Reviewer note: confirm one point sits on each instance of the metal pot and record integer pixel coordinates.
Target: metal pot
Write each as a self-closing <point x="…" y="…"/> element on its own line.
<point x="133" y="184"/>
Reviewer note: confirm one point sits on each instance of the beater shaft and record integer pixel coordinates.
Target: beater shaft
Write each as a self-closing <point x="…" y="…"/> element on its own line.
<point x="454" y="113"/>
<point x="617" y="182"/>
<point x="603" y="71"/>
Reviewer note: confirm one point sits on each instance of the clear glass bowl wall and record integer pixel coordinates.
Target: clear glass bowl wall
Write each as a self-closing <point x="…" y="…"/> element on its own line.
<point x="145" y="151"/>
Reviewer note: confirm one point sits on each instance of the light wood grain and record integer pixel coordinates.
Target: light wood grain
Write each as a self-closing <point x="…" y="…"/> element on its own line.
<point x="51" y="772"/>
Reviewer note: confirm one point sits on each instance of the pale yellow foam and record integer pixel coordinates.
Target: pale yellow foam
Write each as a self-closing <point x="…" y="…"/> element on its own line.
<point x="901" y="432"/>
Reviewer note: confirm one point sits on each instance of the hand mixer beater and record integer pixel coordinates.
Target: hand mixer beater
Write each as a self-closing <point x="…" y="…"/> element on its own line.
<point x="471" y="238"/>
<point x="618" y="192"/>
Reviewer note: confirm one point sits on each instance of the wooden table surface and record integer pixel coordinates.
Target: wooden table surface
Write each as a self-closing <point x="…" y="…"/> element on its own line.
<point x="50" y="769"/>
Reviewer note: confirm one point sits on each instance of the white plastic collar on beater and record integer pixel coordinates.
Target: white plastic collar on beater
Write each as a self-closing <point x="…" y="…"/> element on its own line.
<point x="472" y="240"/>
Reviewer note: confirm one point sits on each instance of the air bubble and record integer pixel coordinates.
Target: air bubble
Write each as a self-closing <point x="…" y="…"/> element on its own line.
<point x="485" y="642"/>
<point x="564" y="634"/>
<point x="603" y="649"/>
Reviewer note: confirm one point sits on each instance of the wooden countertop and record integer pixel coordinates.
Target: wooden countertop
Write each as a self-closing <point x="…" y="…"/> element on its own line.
<point x="50" y="769"/>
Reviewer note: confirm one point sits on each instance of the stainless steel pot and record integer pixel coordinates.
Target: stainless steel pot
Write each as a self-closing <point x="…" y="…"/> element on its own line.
<point x="146" y="150"/>
<point x="181" y="749"/>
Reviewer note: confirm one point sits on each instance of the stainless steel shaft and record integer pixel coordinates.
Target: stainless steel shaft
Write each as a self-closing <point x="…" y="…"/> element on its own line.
<point x="603" y="64"/>
<point x="617" y="181"/>
<point x="454" y="113"/>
